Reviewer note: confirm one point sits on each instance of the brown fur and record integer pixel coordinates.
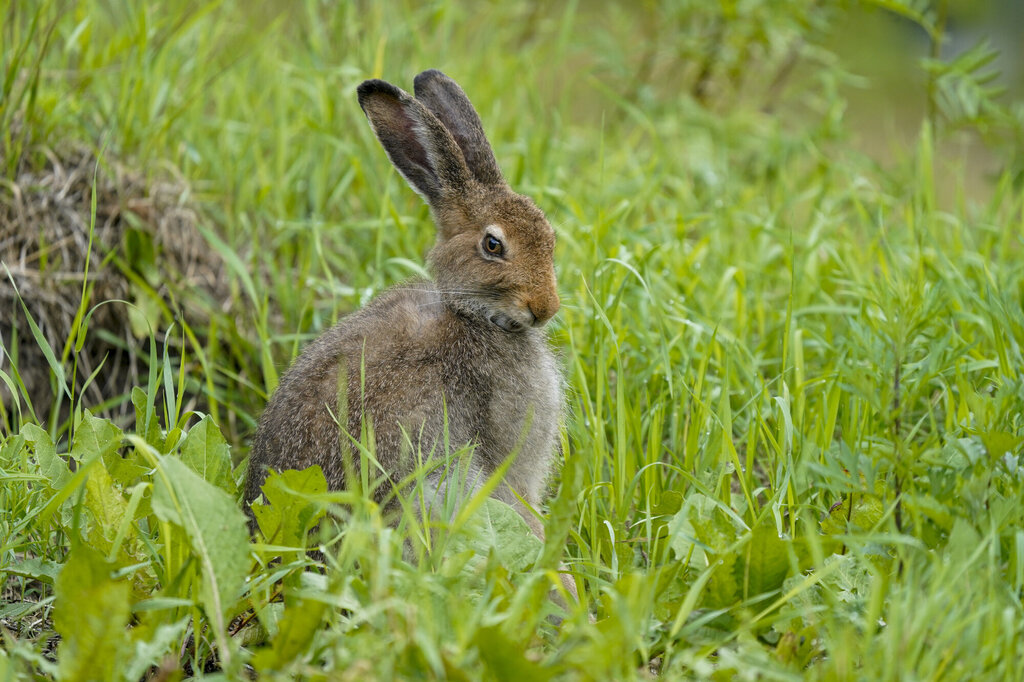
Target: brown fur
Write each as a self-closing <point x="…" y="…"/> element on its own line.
<point x="468" y="344"/>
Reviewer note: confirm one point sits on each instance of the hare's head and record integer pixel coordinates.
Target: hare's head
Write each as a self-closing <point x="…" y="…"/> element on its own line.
<point x="494" y="253"/>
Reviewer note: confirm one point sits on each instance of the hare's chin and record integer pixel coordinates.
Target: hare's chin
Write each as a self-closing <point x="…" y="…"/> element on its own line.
<point x="507" y="323"/>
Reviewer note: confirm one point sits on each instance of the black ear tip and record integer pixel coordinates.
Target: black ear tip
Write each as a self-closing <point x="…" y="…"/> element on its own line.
<point x="375" y="86"/>
<point x="426" y="77"/>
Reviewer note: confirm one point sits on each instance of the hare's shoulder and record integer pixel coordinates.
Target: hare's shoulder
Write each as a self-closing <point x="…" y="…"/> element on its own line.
<point x="407" y="315"/>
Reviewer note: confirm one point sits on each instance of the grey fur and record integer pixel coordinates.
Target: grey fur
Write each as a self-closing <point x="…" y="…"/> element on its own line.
<point x="446" y="100"/>
<point x="469" y="344"/>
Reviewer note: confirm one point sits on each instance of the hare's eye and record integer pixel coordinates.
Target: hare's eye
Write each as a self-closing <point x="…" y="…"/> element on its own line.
<point x="493" y="246"/>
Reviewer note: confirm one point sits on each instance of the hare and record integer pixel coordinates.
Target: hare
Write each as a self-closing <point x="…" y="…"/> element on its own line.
<point x="460" y="360"/>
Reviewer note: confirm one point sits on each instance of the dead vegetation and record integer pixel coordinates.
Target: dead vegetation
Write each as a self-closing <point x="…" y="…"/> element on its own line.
<point x="139" y="264"/>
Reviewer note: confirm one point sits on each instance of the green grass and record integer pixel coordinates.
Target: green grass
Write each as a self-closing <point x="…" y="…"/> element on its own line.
<point x="795" y="393"/>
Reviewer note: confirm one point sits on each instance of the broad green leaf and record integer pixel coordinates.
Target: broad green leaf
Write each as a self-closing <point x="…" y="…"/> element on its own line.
<point x="670" y="502"/>
<point x="207" y="453"/>
<point x="12" y="610"/>
<point x="43" y="570"/>
<point x="501" y="528"/>
<point x="95" y="435"/>
<point x="90" y="613"/>
<point x="999" y="443"/>
<point x="683" y="536"/>
<point x="867" y="510"/>
<point x="108" y="509"/>
<point x="8" y="670"/>
<point x="765" y="562"/>
<point x="699" y="526"/>
<point x="295" y="631"/>
<point x="51" y="465"/>
<point x="722" y="589"/>
<point x="216" y="531"/>
<point x="125" y="468"/>
<point x="930" y="508"/>
<point x="62" y="494"/>
<point x="964" y="540"/>
<point x="145" y="314"/>
<point x="497" y="530"/>
<point x="850" y="580"/>
<point x="289" y="514"/>
<point x="672" y="586"/>
<point x="561" y="510"/>
<point x="12" y="447"/>
<point x="506" y="659"/>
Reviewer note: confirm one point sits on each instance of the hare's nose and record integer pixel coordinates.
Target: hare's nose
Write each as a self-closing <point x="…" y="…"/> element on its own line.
<point x="543" y="309"/>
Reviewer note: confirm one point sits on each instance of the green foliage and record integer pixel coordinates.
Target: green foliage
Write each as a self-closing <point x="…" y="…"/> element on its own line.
<point x="794" y="441"/>
<point x="214" y="527"/>
<point x="206" y="453"/>
<point x="90" y="614"/>
<point x="497" y="533"/>
<point x="288" y="514"/>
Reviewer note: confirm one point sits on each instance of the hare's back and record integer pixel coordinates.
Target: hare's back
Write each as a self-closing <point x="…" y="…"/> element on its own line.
<point x="378" y="359"/>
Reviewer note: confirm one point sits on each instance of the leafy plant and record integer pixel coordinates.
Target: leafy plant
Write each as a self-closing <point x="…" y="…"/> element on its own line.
<point x="794" y="436"/>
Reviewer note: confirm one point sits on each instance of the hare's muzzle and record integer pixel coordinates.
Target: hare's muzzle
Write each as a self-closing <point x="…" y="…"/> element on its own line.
<point x="543" y="308"/>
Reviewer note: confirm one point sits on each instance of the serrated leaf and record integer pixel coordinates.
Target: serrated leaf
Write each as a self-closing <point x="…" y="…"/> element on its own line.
<point x="702" y="530"/>
<point x="107" y="507"/>
<point x="207" y="453"/>
<point x="216" y="531"/>
<point x="289" y="514"/>
<point x="90" y="613"/>
<point x="51" y="465"/>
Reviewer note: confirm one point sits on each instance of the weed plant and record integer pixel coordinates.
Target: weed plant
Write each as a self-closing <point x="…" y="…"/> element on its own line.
<point x="794" y="435"/>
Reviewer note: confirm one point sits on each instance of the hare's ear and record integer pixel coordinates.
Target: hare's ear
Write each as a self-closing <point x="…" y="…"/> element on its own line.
<point x="446" y="100"/>
<point x="419" y="146"/>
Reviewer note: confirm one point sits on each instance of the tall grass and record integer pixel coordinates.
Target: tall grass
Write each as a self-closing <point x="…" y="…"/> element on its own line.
<point x="794" y="426"/>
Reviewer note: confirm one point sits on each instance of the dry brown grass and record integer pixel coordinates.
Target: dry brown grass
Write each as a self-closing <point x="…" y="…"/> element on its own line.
<point x="146" y="251"/>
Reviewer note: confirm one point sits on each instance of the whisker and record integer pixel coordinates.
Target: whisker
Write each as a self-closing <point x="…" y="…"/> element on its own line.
<point x="431" y="290"/>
